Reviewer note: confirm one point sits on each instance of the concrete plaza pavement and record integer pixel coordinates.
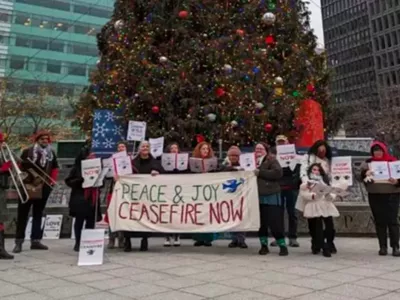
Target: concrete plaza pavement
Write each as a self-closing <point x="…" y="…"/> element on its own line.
<point x="189" y="273"/>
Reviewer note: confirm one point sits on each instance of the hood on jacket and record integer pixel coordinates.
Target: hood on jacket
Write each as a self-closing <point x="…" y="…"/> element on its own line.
<point x="383" y="147"/>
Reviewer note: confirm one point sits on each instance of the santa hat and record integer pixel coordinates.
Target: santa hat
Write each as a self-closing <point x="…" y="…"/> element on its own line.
<point x="41" y="134"/>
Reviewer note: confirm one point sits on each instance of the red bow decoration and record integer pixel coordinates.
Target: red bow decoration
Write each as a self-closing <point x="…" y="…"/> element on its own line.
<point x="200" y="138"/>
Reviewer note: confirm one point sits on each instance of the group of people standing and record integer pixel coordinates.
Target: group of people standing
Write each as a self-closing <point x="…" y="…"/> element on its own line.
<point x="279" y="189"/>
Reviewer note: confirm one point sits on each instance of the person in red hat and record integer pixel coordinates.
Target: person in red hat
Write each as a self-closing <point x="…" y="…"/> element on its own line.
<point x="4" y="174"/>
<point x="40" y="158"/>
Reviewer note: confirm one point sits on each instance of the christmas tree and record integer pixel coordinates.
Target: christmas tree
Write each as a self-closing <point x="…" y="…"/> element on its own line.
<point x="235" y="70"/>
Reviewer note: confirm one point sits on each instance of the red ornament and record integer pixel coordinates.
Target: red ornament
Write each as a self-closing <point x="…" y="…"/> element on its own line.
<point x="240" y="32"/>
<point x="200" y="138"/>
<point x="310" y="87"/>
<point x="155" y="109"/>
<point x="183" y="14"/>
<point x="270" y="40"/>
<point x="220" y="92"/>
<point x="268" y="127"/>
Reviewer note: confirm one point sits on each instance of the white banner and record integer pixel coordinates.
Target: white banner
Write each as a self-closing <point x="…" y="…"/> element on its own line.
<point x="212" y="202"/>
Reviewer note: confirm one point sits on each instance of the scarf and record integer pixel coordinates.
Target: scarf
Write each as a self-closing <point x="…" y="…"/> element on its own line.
<point x="45" y="154"/>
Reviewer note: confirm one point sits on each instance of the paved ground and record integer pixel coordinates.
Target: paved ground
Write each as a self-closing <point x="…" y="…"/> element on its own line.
<point x="189" y="273"/>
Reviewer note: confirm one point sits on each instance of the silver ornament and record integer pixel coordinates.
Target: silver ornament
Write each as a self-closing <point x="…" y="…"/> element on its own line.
<point x="278" y="80"/>
<point x="227" y="68"/>
<point x="119" y="24"/>
<point x="269" y="18"/>
<point x="163" y="59"/>
<point x="259" y="105"/>
<point x="234" y="123"/>
<point x="98" y="62"/>
<point x="211" y="117"/>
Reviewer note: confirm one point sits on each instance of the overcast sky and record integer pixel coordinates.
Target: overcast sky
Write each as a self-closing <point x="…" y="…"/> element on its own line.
<point x="316" y="19"/>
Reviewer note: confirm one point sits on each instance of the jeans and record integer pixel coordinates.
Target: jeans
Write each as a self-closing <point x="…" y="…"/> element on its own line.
<point x="289" y="198"/>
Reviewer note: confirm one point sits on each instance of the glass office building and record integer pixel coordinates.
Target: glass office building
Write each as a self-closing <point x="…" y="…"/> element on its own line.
<point x="51" y="42"/>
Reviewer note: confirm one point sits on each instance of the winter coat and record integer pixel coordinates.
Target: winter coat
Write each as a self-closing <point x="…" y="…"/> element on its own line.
<point x="269" y="174"/>
<point x="291" y="178"/>
<point x="313" y="205"/>
<point x="146" y="166"/>
<point x="373" y="187"/>
<point x="78" y="205"/>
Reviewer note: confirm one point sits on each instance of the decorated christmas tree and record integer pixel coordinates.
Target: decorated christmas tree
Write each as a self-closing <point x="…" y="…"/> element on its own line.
<point x="235" y="70"/>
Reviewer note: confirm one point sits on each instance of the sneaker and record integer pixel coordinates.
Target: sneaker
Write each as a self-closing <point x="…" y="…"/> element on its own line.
<point x="233" y="245"/>
<point x="167" y="242"/>
<point x="383" y="251"/>
<point x="294" y="243"/>
<point x="37" y="245"/>
<point x="283" y="251"/>
<point x="177" y="241"/>
<point x="198" y="244"/>
<point x="264" y="250"/>
<point x="274" y="244"/>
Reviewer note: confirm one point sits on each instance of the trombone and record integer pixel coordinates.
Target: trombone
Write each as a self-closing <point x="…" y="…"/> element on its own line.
<point x="43" y="175"/>
<point x="17" y="176"/>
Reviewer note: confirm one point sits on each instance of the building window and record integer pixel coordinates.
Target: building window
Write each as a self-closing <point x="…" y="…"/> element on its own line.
<point x="56" y="46"/>
<point x="22" y="42"/>
<point x="54" y="67"/>
<point x="78" y="70"/>
<point x="17" y="63"/>
<point x="23" y="19"/>
<point x="46" y="3"/>
<point x="5" y="17"/>
<point x="39" y="44"/>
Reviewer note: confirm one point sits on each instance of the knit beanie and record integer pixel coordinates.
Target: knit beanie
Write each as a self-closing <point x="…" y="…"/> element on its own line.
<point x="234" y="150"/>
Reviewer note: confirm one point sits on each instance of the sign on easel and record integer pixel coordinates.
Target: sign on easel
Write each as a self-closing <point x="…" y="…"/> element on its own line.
<point x="91" y="251"/>
<point x="52" y="227"/>
<point x="28" y="229"/>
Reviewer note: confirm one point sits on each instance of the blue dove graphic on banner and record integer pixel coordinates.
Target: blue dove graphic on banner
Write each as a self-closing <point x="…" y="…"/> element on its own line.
<point x="232" y="185"/>
<point x="106" y="133"/>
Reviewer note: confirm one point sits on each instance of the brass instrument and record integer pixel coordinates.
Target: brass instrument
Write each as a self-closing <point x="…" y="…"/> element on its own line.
<point x="38" y="173"/>
<point x="17" y="176"/>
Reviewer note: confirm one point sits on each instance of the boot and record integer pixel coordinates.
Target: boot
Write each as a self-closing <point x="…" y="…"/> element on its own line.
<point x="396" y="252"/>
<point x="3" y="253"/>
<point x="314" y="249"/>
<point x="264" y="250"/>
<point x="144" y="245"/>
<point x="77" y="247"/>
<point x="37" y="245"/>
<point x="332" y="247"/>
<point x="383" y="251"/>
<point x="18" y="246"/>
<point x="128" y="245"/>
<point x="198" y="244"/>
<point x="233" y="244"/>
<point x="283" y="251"/>
<point x="330" y="236"/>
<point x="242" y="245"/>
<point x="326" y="251"/>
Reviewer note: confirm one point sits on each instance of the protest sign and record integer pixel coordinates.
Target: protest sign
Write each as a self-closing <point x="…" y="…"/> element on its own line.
<point x="91" y="169"/>
<point x="394" y="168"/>
<point x="136" y="131"/>
<point x="52" y="227"/>
<point x="341" y="170"/>
<point x="156" y="146"/>
<point x="175" y="161"/>
<point x="380" y="170"/>
<point x="248" y="161"/>
<point x="212" y="202"/>
<point x="286" y="154"/>
<point x="91" y="251"/>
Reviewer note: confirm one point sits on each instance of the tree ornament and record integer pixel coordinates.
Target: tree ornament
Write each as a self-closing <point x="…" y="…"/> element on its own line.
<point x="227" y="68"/>
<point x="119" y="24"/>
<point x="155" y="109"/>
<point x="200" y="138"/>
<point x="183" y="14"/>
<point x="268" y="127"/>
<point x="259" y="105"/>
<point x="310" y="87"/>
<point x="163" y="59"/>
<point x="234" y="123"/>
<point x="220" y="92"/>
<point x="308" y="63"/>
<point x="278" y="80"/>
<point x="270" y="40"/>
<point x="240" y="32"/>
<point x="98" y="62"/>
<point x="211" y="117"/>
<point x="278" y="91"/>
<point x="269" y="18"/>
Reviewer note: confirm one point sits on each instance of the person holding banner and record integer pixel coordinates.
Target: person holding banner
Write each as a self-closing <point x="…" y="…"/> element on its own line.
<point x="321" y="153"/>
<point x="40" y="163"/>
<point x="143" y="163"/>
<point x="4" y="176"/>
<point x="232" y="163"/>
<point x="84" y="204"/>
<point x="175" y="238"/>
<point x="203" y="150"/>
<point x="121" y="147"/>
<point x="384" y="200"/>
<point x="318" y="209"/>
<point x="269" y="173"/>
